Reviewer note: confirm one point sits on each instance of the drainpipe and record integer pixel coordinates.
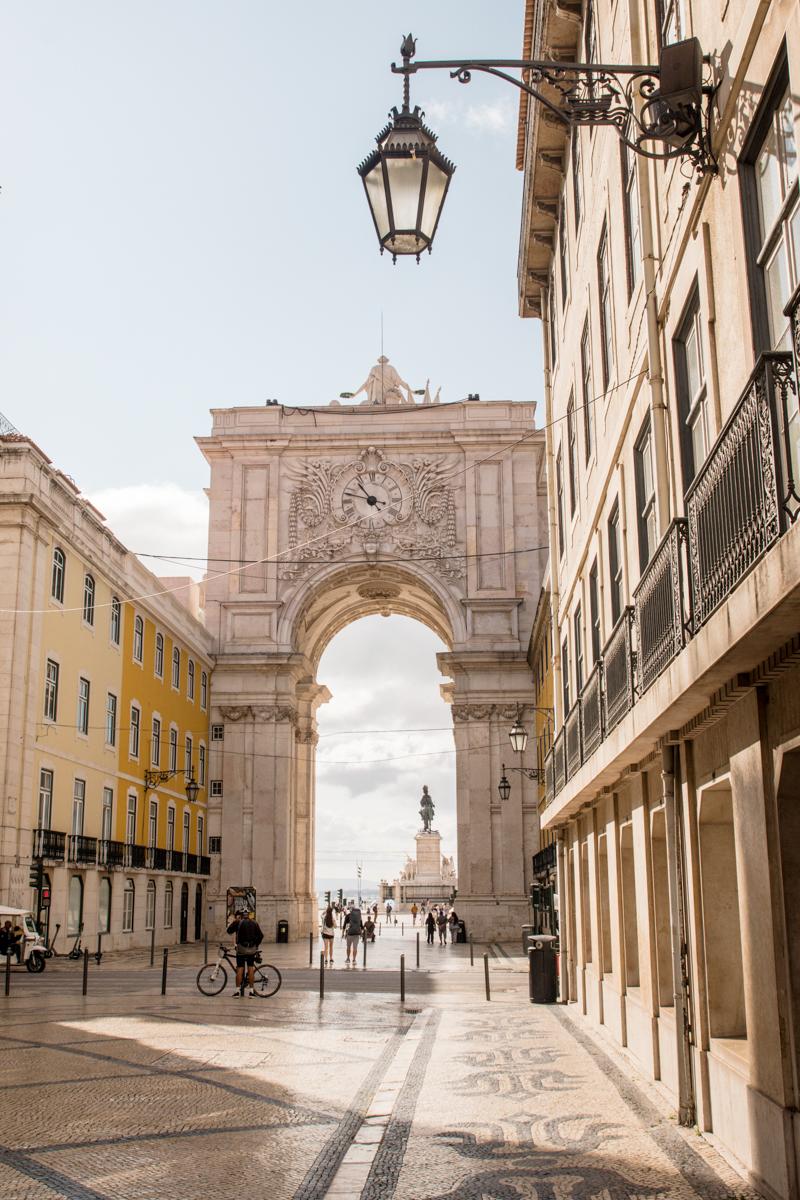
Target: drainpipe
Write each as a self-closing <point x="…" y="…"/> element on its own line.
<point x="551" y="510"/>
<point x="677" y="914"/>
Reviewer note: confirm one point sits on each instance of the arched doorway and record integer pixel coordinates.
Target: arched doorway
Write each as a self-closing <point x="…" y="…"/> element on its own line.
<point x="345" y="512"/>
<point x="184" y="912"/>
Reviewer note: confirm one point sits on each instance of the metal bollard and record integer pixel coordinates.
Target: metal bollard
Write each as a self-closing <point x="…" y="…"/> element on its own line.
<point x="471" y="954"/>
<point x="152" y="944"/>
<point x="322" y="975"/>
<point x="486" y="975"/>
<point x="380" y="927"/>
<point x="164" y="974"/>
<point x="8" y="974"/>
<point x="99" y="953"/>
<point x="311" y="948"/>
<point x="402" y="928"/>
<point x="365" y="952"/>
<point x="85" y="970"/>
<point x="417" y="949"/>
<point x="402" y="978"/>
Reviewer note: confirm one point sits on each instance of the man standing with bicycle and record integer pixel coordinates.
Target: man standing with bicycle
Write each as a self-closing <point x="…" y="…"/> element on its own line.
<point x="247" y="932"/>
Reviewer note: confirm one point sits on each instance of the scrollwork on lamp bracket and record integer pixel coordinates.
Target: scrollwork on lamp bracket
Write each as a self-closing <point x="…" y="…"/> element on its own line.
<point x="626" y="96"/>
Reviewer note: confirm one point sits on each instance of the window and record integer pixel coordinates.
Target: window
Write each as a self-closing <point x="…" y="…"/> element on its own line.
<point x="104" y="906"/>
<point x="200" y="833"/>
<point x="630" y="202"/>
<point x="134" y="736"/>
<point x="88" y="599"/>
<point x="155" y="743"/>
<point x="216" y="787"/>
<point x="128" y="895"/>
<point x="51" y="690"/>
<point x="615" y="564"/>
<point x="57" y="582"/>
<point x="563" y="260"/>
<point x="168" y="905"/>
<point x="186" y="827"/>
<point x="45" y="799"/>
<point x="159" y="655"/>
<point x="586" y="392"/>
<point x="572" y="452"/>
<point x="672" y="21"/>
<point x="604" y="300"/>
<point x="577" y="180"/>
<point x="776" y="245"/>
<point x="173" y="749"/>
<point x="217" y="733"/>
<point x="78" y="802"/>
<point x="108" y="808"/>
<point x="594" y="611"/>
<point x="130" y="821"/>
<point x="190" y="680"/>
<point x="75" y="906"/>
<point x="560" y="502"/>
<point x="83" y="706"/>
<point x="116" y="620"/>
<point x="176" y="668"/>
<point x="111" y="719"/>
<point x="692" y="394"/>
<point x="152" y="824"/>
<point x="170" y="828"/>
<point x="188" y="756"/>
<point x="201" y="770"/>
<point x="215" y="845"/>
<point x="645" y="495"/>
<point x="565" y="677"/>
<point x="138" y="639"/>
<point x="203" y="690"/>
<point x="577" y="641"/>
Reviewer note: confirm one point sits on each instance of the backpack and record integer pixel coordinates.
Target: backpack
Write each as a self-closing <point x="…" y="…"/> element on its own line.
<point x="247" y="935"/>
<point x="354" y="928"/>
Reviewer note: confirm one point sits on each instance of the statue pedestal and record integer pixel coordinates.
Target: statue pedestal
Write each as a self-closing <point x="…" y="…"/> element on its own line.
<point x="429" y="856"/>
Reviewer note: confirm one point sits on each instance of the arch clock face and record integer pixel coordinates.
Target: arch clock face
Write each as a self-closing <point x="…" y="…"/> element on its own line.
<point x="372" y="499"/>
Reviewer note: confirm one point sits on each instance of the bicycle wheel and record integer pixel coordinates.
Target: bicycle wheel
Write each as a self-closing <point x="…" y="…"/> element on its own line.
<point x="211" y="979"/>
<point x="267" y="980"/>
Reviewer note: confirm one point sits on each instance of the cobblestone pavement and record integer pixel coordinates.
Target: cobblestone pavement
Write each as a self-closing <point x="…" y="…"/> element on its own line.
<point x="357" y="1096"/>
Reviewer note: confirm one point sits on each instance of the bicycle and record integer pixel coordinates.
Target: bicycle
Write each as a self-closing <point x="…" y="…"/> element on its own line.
<point x="211" y="978"/>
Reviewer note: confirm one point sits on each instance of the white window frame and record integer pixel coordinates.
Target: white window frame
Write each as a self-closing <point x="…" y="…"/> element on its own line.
<point x="58" y="577"/>
<point x="89" y="599"/>
<point x="138" y="639"/>
<point x="111" y="719"/>
<point x="135" y="731"/>
<point x="190" y="679"/>
<point x="84" y="698"/>
<point x="176" y="669"/>
<point x="115" y="622"/>
<point x="51" y="674"/>
<point x="158" y="662"/>
<point x="128" y="905"/>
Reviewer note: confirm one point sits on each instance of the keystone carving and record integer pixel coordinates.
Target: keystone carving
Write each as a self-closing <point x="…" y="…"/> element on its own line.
<point x="370" y="591"/>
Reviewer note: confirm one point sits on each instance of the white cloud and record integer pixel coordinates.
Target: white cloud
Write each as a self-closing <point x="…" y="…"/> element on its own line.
<point x="159" y="518"/>
<point x="498" y="116"/>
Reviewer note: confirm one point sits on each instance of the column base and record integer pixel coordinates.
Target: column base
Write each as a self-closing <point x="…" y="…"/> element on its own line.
<point x="494" y="918"/>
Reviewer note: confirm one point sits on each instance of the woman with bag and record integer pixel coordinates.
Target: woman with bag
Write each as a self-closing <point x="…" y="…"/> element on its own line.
<point x="328" y="931"/>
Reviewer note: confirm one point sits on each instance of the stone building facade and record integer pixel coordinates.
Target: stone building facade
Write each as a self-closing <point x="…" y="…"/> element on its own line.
<point x="671" y="339"/>
<point x="103" y="677"/>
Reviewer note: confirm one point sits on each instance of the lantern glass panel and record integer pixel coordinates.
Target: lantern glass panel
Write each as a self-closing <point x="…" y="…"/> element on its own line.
<point x="519" y="738"/>
<point x="377" y="199"/>
<point x="405" y="182"/>
<point x="434" y="196"/>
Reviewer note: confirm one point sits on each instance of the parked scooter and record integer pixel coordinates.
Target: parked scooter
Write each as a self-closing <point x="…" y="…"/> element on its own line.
<point x="76" y="951"/>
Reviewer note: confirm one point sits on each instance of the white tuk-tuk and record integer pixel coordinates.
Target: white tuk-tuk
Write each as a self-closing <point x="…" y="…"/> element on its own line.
<point x="31" y="943"/>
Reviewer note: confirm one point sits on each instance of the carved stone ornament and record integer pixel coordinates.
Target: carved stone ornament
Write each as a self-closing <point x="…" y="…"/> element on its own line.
<point x="235" y="714"/>
<point x="273" y="712"/>
<point x="307" y="737"/>
<point x="374" y="591"/>
<point x="372" y="505"/>
<point x="472" y="712"/>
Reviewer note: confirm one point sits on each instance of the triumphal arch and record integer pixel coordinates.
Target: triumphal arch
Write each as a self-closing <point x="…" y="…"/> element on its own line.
<point x="323" y="515"/>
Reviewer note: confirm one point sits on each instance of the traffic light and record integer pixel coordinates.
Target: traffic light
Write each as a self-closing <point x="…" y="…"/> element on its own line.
<point x="327" y="897"/>
<point x="44" y="897"/>
<point x="35" y="877"/>
<point x="341" y="895"/>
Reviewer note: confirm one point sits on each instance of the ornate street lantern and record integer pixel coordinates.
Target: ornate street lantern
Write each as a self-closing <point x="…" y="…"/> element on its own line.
<point x="406" y="178"/>
<point x="518" y="735"/>
<point x="192" y="788"/>
<point x="504" y="787"/>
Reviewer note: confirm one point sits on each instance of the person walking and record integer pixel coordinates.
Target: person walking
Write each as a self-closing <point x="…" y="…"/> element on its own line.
<point x="441" y="925"/>
<point x="452" y="925"/>
<point x="414" y="911"/>
<point x="430" y="925"/>
<point x="353" y="930"/>
<point x="247" y="933"/>
<point x="328" y="930"/>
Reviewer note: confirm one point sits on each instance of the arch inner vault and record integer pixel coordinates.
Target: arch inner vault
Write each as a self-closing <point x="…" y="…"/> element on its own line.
<point x="317" y="518"/>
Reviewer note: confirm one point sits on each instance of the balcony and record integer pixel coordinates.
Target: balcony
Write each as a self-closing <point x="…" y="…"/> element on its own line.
<point x="110" y="854"/>
<point x="592" y="711"/>
<point x="47" y="843"/>
<point x="574" y="750"/>
<point x="549" y="779"/>
<point x="618" y="667"/>
<point x="82" y="850"/>
<point x="545" y="860"/>
<point x="135" y="856"/>
<point x="559" y="762"/>
<point x="204" y="864"/>
<point x="662" y="627"/>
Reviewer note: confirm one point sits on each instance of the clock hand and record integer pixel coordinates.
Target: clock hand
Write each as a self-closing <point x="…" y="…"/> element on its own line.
<point x="364" y="490"/>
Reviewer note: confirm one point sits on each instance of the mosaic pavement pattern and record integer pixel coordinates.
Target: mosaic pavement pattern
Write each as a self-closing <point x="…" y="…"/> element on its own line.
<point x="356" y="1097"/>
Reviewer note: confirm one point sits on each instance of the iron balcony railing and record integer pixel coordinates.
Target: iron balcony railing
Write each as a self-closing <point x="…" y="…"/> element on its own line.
<point x="660" y="605"/>
<point x="592" y="710"/>
<point x="204" y="864"/>
<point x="545" y="860"/>
<point x="549" y="778"/>
<point x="159" y="859"/>
<point x="743" y="496"/>
<point x="136" y="856"/>
<point x="618" y="671"/>
<point x="175" y="860"/>
<point x="558" y="758"/>
<point x="82" y="849"/>
<point x="110" y="854"/>
<point x="573" y="736"/>
<point x="48" y="843"/>
<point x="191" y="864"/>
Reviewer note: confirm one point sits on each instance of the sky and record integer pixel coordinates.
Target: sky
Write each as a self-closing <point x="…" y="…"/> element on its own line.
<point x="182" y="227"/>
